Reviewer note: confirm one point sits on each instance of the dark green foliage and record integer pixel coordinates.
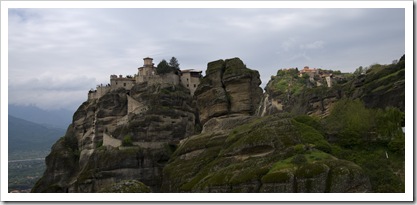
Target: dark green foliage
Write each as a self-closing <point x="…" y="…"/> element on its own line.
<point x="173" y="63"/>
<point x="299" y="160"/>
<point x="382" y="86"/>
<point x="99" y="144"/>
<point x="277" y="177"/>
<point x="389" y="122"/>
<point x="127" y="141"/>
<point x="310" y="170"/>
<point x="350" y="121"/>
<point x="366" y="137"/>
<point x="360" y="71"/>
<point x="163" y="67"/>
<point x="215" y="66"/>
<point x="310" y="135"/>
<point x="286" y="82"/>
<point x="310" y="121"/>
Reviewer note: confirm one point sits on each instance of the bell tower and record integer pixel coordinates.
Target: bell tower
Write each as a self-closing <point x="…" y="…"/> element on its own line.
<point x="148" y="62"/>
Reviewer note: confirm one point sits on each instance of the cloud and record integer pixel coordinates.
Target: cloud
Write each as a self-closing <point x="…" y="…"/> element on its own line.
<point x="313" y="45"/>
<point x="56" y="53"/>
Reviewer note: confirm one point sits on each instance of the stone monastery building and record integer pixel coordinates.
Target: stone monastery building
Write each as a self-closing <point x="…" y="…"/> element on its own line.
<point x="147" y="74"/>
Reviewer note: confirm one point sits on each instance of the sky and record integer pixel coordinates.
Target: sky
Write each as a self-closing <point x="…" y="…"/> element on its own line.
<point x="56" y="56"/>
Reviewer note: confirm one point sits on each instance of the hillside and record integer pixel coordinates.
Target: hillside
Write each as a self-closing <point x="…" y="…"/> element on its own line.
<point x="309" y="132"/>
<point x="59" y="118"/>
<point x="26" y="136"/>
<point x="29" y="143"/>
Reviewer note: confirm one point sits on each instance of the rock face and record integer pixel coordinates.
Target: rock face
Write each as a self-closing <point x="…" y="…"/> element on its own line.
<point x="259" y="155"/>
<point x="288" y="92"/>
<point x="381" y="86"/>
<point x="228" y="88"/>
<point x="123" y="135"/>
<point x="148" y="139"/>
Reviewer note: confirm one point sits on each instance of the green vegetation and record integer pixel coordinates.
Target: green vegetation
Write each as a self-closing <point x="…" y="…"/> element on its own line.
<point x="365" y="137"/>
<point x="350" y="121"/>
<point x="310" y="135"/>
<point x="164" y="67"/>
<point x="173" y="63"/>
<point x="287" y="81"/>
<point x="235" y="66"/>
<point x="127" y="141"/>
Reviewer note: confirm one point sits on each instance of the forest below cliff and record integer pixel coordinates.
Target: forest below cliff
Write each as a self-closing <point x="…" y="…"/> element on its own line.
<point x="324" y="132"/>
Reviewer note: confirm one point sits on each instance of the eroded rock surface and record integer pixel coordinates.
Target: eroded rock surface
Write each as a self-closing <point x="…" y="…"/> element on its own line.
<point x="228" y="88"/>
<point x="259" y="156"/>
<point x="123" y="135"/>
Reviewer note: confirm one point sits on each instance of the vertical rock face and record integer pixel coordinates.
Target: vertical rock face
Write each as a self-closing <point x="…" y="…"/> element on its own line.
<point x="158" y="117"/>
<point x="228" y="88"/>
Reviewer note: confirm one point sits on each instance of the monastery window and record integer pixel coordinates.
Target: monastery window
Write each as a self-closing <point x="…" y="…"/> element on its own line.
<point x="194" y="85"/>
<point x="188" y="86"/>
<point x="124" y="84"/>
<point x="187" y="79"/>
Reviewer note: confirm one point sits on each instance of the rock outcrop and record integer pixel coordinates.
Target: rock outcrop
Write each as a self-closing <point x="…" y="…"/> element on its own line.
<point x="123" y="135"/>
<point x="260" y="155"/>
<point x="228" y="88"/>
<point x="382" y="86"/>
<point x="229" y="137"/>
<point x="289" y="92"/>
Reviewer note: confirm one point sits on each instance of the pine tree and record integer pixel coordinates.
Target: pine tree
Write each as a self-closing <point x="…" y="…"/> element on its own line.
<point x="163" y="67"/>
<point x="174" y="63"/>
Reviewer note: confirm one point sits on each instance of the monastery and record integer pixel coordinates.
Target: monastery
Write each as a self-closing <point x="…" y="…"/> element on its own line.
<point x="147" y="74"/>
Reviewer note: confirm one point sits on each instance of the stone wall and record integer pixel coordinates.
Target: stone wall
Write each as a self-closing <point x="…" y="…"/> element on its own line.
<point x="329" y="81"/>
<point x="165" y="79"/>
<point x="122" y="82"/>
<point x="190" y="81"/>
<point x="133" y="106"/>
<point x="110" y="141"/>
<point x="99" y="92"/>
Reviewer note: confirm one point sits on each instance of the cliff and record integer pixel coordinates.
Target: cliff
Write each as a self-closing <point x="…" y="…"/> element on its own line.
<point x="299" y="136"/>
<point x="270" y="154"/>
<point x="122" y="136"/>
<point x="228" y="88"/>
<point x="238" y="152"/>
<point x="381" y="86"/>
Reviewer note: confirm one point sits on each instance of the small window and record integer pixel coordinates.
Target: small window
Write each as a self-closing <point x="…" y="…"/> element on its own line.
<point x="194" y="85"/>
<point x="116" y="83"/>
<point x="188" y="86"/>
<point x="187" y="79"/>
<point x="124" y="84"/>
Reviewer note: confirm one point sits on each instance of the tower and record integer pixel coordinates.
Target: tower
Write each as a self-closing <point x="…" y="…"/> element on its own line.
<point x="148" y="62"/>
<point x="146" y="71"/>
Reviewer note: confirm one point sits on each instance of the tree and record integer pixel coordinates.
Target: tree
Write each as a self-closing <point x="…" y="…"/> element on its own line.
<point x="163" y="67"/>
<point x="350" y="121"/>
<point x="174" y="63"/>
<point x="358" y="71"/>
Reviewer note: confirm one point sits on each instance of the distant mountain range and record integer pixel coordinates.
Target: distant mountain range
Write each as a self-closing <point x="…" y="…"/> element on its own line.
<point x="28" y="136"/>
<point x="50" y="118"/>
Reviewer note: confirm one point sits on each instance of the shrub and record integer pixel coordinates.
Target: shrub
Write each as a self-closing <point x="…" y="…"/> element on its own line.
<point x="299" y="160"/>
<point x="127" y="141"/>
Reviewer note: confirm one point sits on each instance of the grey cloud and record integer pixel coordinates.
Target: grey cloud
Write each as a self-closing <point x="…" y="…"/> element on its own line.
<point x="94" y="43"/>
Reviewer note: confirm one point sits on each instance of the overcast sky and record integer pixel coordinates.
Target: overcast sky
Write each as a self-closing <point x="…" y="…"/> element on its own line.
<point x="57" y="55"/>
